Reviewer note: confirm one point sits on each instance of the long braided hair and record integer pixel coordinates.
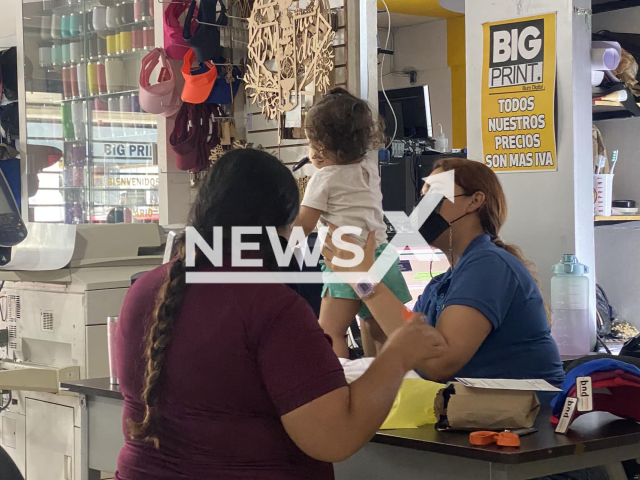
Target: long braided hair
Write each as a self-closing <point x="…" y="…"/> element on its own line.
<point x="474" y="177"/>
<point x="245" y="187"/>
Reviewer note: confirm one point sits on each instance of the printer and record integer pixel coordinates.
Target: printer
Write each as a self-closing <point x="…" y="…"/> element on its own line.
<point x="53" y="327"/>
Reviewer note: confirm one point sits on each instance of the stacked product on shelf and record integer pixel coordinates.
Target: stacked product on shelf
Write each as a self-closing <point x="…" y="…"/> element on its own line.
<point x="89" y="53"/>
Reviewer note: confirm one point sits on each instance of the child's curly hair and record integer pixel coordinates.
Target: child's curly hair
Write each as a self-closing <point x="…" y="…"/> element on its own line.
<point x="345" y="126"/>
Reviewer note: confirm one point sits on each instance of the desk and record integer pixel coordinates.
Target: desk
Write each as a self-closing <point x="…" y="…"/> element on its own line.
<point x="102" y="437"/>
<point x="596" y="439"/>
<point x="423" y="453"/>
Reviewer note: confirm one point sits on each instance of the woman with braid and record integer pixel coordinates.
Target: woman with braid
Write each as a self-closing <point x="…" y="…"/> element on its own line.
<point x="229" y="381"/>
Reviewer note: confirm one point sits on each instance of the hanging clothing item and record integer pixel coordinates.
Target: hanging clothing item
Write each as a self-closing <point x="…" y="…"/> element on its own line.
<point x="205" y="41"/>
<point x="173" y="43"/>
<point x="197" y="86"/>
<point x="163" y="98"/>
<point x="195" y="135"/>
<point x="184" y="138"/>
<point x="226" y="87"/>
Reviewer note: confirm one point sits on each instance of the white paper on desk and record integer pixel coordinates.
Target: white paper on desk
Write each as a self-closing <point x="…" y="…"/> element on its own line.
<point x="48" y="246"/>
<point x="502" y="384"/>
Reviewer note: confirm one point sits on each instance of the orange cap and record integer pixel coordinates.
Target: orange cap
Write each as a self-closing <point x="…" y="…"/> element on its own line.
<point x="197" y="87"/>
<point x="407" y="315"/>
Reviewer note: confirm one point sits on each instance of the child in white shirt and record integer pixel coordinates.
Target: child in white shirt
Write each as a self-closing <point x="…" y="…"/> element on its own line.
<point x="345" y="191"/>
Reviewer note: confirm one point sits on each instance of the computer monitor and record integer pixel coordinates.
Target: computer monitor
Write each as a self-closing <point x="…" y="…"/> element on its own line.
<point x="12" y="229"/>
<point x="412" y="107"/>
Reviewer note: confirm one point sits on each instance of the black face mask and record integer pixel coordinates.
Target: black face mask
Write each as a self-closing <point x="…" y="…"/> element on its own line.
<point x="436" y="225"/>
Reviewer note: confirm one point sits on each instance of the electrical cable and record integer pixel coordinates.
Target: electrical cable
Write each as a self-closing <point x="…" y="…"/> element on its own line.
<point x="5" y="297"/>
<point x="384" y="92"/>
<point x="2" y="318"/>
<point x="4" y="407"/>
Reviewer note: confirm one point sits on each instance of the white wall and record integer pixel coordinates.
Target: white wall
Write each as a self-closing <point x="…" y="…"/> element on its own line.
<point x="618" y="268"/>
<point x="549" y="213"/>
<point x="422" y="47"/>
<point x="8" y="23"/>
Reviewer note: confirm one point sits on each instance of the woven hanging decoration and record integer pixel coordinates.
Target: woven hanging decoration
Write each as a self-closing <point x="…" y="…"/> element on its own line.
<point x="290" y="53"/>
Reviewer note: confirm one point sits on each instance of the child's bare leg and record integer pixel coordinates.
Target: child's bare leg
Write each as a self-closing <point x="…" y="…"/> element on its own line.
<point x="375" y="337"/>
<point x="336" y="314"/>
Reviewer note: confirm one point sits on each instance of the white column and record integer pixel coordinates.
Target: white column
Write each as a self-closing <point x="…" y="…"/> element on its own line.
<point x="368" y="51"/>
<point x="549" y="213"/>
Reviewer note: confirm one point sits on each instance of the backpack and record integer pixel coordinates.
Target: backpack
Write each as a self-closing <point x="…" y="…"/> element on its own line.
<point x="605" y="312"/>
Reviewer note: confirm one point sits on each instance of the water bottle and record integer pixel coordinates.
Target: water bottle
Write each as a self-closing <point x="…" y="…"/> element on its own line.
<point x="570" y="307"/>
<point x="112" y="323"/>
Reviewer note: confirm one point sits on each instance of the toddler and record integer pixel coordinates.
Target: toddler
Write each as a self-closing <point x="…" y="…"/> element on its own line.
<point x="345" y="191"/>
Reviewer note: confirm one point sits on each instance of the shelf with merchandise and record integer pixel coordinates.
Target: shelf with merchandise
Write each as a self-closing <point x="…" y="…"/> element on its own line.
<point x="55" y="99"/>
<point x="80" y="6"/>
<point x="97" y="58"/>
<point x="102" y="95"/>
<point x="109" y="157"/>
<point x="614" y="5"/>
<point x="603" y="110"/>
<point x="616" y="219"/>
<point x="43" y="42"/>
<point x="607" y="104"/>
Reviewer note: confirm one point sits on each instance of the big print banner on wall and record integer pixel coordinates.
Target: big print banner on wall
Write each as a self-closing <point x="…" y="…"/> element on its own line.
<point x="518" y="95"/>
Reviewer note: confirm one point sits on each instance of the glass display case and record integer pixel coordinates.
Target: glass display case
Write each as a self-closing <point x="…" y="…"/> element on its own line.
<point x="91" y="150"/>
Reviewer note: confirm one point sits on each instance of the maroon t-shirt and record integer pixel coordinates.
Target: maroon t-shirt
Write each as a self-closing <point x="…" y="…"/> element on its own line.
<point x="240" y="357"/>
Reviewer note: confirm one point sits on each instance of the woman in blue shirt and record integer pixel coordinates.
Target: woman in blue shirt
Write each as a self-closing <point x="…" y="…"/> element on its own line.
<point x="488" y="306"/>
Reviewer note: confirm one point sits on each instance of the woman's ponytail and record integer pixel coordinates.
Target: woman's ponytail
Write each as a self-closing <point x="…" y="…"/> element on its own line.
<point x="168" y="303"/>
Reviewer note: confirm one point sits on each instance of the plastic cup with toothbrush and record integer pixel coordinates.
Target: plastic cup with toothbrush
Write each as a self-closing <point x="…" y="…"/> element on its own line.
<point x="603" y="189"/>
<point x="614" y="160"/>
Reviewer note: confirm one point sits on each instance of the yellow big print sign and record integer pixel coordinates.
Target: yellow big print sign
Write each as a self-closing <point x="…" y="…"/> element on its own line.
<point x="518" y="95"/>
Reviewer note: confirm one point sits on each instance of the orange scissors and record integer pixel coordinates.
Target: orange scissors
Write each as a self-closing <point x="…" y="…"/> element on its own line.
<point x="503" y="439"/>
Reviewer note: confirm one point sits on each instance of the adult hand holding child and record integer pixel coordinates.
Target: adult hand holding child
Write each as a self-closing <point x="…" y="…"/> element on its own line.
<point x="416" y="338"/>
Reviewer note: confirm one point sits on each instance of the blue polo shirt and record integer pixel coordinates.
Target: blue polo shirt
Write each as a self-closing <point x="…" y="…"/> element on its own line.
<point x="497" y="284"/>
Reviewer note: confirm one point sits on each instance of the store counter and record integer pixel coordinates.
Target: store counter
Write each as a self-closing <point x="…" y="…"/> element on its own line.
<point x="422" y="453"/>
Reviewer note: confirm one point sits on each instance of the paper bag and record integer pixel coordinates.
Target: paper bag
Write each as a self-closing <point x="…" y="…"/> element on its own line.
<point x="464" y="408"/>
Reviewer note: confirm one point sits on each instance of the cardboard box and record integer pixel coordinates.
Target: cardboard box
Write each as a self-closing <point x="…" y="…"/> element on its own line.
<point x="489" y="404"/>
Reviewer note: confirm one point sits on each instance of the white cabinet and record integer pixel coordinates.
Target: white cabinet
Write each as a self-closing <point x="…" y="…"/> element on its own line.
<point x="50" y="441"/>
<point x="12" y="432"/>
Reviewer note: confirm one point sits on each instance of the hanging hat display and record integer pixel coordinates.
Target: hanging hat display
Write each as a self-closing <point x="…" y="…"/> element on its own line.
<point x="205" y="40"/>
<point x="197" y="86"/>
<point x="162" y="98"/>
<point x="173" y="43"/>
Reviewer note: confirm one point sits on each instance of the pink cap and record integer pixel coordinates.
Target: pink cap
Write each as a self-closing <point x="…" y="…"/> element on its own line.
<point x="163" y="98"/>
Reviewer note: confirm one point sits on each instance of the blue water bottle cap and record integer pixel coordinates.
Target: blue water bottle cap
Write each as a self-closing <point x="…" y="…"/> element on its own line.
<point x="570" y="266"/>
